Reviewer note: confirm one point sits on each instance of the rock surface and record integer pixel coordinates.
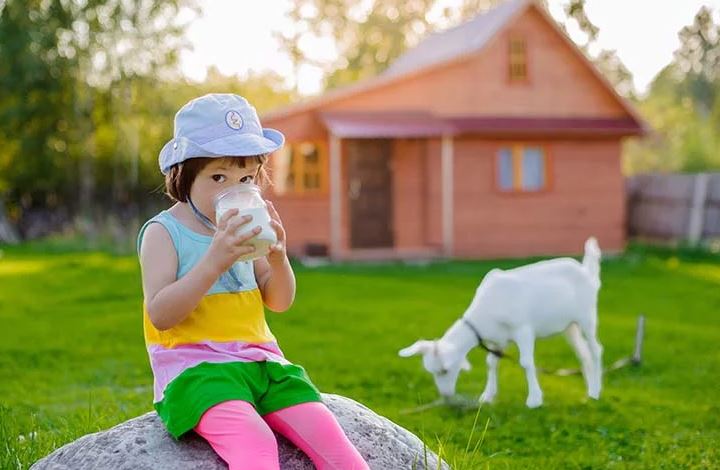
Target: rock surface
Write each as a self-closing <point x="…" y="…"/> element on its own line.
<point x="143" y="443"/>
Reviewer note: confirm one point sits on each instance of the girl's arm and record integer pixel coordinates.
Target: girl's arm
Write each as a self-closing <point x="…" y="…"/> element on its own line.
<point x="273" y="274"/>
<point x="276" y="282"/>
<point x="168" y="300"/>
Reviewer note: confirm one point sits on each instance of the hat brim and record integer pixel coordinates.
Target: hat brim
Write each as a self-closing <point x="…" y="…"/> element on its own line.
<point x="236" y="145"/>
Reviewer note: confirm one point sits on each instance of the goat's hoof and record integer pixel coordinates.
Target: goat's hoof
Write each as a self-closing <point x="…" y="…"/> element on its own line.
<point x="594" y="396"/>
<point x="534" y="402"/>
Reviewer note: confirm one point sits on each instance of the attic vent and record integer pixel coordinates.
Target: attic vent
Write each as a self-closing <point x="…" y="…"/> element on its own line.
<point x="518" y="60"/>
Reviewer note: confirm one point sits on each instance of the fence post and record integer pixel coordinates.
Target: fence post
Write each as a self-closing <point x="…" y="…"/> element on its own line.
<point x="697" y="210"/>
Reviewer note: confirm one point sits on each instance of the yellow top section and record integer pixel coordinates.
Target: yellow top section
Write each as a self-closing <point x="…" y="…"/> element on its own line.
<point x="237" y="316"/>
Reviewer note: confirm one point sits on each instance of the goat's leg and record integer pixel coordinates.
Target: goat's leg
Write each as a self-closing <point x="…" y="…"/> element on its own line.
<point x="525" y="340"/>
<point x="582" y="351"/>
<point x="589" y="329"/>
<point x="491" y="386"/>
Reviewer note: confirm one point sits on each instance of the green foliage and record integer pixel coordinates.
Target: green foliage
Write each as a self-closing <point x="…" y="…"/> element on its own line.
<point x="33" y="93"/>
<point x="682" y="106"/>
<point x="88" y="92"/>
<point x="367" y="41"/>
<point x="697" y="61"/>
<point x="606" y="61"/>
<point x="72" y="359"/>
<point x="66" y="71"/>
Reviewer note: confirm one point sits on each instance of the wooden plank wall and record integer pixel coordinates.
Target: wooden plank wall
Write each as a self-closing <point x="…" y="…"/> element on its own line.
<point x="674" y="207"/>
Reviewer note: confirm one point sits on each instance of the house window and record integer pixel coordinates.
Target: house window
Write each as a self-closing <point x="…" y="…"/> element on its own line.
<point x="521" y="168"/>
<point x="308" y="156"/>
<point x="518" y="60"/>
<point x="299" y="168"/>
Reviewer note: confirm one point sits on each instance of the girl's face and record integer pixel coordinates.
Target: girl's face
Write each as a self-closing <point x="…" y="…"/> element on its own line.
<point x="215" y="177"/>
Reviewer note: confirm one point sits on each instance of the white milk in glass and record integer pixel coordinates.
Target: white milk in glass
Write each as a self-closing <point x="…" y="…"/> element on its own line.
<point x="247" y="199"/>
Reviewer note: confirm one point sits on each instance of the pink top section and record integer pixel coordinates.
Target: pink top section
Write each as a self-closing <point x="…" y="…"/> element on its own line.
<point x="167" y="364"/>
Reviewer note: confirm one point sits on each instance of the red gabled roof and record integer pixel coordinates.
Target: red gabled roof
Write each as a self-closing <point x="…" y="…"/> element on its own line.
<point x="454" y="45"/>
<point x="464" y="39"/>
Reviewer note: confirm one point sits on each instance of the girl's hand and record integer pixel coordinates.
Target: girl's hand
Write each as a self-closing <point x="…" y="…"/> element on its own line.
<point x="227" y="246"/>
<point x="278" y="253"/>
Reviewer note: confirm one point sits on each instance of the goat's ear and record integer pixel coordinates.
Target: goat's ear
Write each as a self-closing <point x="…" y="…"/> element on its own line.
<point x="420" y="346"/>
<point x="465" y="365"/>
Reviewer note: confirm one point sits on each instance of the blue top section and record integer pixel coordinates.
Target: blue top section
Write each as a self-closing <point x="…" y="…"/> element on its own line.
<point x="191" y="246"/>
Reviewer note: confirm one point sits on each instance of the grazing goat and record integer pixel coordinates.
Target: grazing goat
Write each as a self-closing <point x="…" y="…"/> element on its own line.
<point x="519" y="305"/>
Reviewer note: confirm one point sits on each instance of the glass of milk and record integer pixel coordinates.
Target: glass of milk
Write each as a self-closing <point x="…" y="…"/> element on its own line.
<point x="247" y="199"/>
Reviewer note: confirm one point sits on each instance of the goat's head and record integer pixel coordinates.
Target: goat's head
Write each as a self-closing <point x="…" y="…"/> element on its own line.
<point x="441" y="360"/>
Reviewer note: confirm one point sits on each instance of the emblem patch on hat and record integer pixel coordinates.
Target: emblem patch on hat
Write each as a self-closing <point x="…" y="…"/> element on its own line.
<point x="234" y="120"/>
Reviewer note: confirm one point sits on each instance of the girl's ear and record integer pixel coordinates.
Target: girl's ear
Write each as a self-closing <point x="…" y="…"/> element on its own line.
<point x="421" y="346"/>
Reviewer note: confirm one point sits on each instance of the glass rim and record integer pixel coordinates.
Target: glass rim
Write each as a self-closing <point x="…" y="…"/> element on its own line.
<point x="240" y="187"/>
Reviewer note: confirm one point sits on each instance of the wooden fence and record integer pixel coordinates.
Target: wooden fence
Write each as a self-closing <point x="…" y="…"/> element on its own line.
<point x="674" y="207"/>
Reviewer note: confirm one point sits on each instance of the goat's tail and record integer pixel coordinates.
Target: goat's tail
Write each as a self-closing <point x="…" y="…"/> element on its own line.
<point x="591" y="260"/>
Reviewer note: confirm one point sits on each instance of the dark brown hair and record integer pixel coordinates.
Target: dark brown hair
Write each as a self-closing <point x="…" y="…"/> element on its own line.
<point x="180" y="177"/>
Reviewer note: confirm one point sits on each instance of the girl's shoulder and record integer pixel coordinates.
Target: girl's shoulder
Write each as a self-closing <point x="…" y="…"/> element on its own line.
<point x="160" y="227"/>
<point x="156" y="242"/>
<point x="183" y="232"/>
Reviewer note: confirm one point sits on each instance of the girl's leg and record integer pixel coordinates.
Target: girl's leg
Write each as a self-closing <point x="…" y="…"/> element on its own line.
<point x="314" y="429"/>
<point x="239" y="436"/>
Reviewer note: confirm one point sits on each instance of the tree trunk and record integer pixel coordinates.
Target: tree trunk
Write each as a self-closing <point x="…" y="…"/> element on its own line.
<point x="86" y="191"/>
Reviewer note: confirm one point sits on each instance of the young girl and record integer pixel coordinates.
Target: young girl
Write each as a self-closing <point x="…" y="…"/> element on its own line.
<point x="217" y="368"/>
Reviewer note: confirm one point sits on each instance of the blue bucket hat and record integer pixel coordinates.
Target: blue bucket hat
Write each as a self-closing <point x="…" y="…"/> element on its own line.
<point x="218" y="125"/>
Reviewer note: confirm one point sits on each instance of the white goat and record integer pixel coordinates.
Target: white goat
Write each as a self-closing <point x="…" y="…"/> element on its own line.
<point x="519" y="305"/>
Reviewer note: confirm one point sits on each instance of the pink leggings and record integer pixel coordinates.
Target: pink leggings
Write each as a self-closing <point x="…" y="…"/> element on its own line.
<point x="245" y="440"/>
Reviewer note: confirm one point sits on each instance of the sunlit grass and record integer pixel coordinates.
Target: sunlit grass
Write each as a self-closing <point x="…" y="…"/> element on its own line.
<point x="72" y="359"/>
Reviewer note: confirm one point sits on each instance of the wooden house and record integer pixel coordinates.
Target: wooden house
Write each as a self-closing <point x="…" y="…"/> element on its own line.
<point x="496" y="138"/>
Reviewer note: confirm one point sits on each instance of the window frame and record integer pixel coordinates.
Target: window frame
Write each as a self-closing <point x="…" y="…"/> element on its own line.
<point x="517" y="149"/>
<point x="297" y="169"/>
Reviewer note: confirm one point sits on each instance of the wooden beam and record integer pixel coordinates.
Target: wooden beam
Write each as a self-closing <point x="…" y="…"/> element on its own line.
<point x="335" y="195"/>
<point x="446" y="163"/>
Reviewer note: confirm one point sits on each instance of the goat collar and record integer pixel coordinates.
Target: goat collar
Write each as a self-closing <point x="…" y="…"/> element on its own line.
<point x="481" y="342"/>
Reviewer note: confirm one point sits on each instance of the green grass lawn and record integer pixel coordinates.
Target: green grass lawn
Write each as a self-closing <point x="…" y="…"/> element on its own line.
<point x="72" y="358"/>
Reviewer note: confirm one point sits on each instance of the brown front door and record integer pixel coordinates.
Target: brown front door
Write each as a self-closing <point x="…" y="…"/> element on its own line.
<point x="370" y="193"/>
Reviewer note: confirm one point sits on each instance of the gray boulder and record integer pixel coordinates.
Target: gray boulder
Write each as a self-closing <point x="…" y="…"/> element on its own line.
<point x="142" y="443"/>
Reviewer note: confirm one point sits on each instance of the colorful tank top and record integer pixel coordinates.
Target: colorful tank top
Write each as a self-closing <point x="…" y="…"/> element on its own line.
<point x="227" y="326"/>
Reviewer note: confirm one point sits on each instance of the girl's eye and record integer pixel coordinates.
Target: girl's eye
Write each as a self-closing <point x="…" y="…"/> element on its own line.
<point x="246" y="179"/>
<point x="218" y="178"/>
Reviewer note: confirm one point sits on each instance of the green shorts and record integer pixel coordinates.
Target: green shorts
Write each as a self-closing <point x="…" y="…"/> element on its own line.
<point x="268" y="386"/>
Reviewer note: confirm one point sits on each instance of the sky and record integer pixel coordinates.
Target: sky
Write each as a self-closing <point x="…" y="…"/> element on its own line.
<point x="238" y="36"/>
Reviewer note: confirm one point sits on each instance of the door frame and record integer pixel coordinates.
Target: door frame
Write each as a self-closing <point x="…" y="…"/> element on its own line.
<point x="388" y="239"/>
